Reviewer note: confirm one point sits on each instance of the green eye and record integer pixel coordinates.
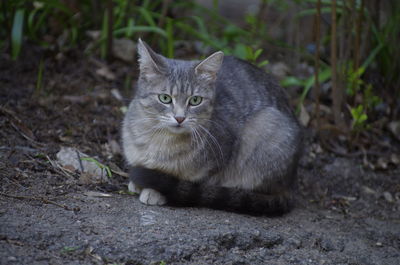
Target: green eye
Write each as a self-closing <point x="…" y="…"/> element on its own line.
<point x="164" y="98"/>
<point x="195" y="100"/>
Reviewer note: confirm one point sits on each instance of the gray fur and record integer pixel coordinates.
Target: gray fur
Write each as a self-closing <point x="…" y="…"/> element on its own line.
<point x="242" y="136"/>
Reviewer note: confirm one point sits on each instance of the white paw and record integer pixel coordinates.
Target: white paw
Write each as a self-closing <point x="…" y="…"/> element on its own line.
<point x="152" y="197"/>
<point x="132" y="187"/>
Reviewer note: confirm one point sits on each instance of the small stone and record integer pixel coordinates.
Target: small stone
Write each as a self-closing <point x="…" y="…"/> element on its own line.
<point x="327" y="245"/>
<point x="382" y="163"/>
<point x="394" y="127"/>
<point x="379" y="244"/>
<point x="304" y="116"/>
<point x="93" y="34"/>
<point x="388" y="197"/>
<point x="124" y="49"/>
<point x="115" y="147"/>
<point x="11" y="258"/>
<point x="280" y="70"/>
<point x="368" y="190"/>
<point x="91" y="169"/>
<point x="106" y="73"/>
<point x="294" y="242"/>
<point x="117" y="95"/>
<point x="395" y="159"/>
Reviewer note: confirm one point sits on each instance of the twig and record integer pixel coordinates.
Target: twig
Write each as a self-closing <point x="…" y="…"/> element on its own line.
<point x="164" y="12"/>
<point x="358" y="37"/>
<point x="262" y="11"/>
<point x="318" y="43"/>
<point x="64" y="171"/>
<point x="41" y="199"/>
<point x="80" y="160"/>
<point x="110" y="15"/>
<point x="123" y="174"/>
<point x="336" y="93"/>
<point x="333" y="150"/>
<point x="18" y="125"/>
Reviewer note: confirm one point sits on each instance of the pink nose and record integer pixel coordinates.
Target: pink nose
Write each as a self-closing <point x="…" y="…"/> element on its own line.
<point x="179" y="119"/>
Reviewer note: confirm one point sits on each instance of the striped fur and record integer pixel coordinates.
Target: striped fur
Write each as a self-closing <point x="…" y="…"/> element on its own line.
<point x="183" y="193"/>
<point x="238" y="150"/>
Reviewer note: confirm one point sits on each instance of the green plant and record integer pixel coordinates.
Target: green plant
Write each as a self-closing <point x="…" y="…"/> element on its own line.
<point x="306" y="84"/>
<point x="100" y="165"/>
<point x="359" y="117"/>
<point x="34" y="18"/>
<point x="17" y="33"/>
<point x="39" y="79"/>
<point x="69" y="249"/>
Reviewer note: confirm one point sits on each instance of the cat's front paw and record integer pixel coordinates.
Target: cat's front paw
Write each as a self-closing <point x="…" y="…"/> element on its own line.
<point x="152" y="197"/>
<point x="132" y="187"/>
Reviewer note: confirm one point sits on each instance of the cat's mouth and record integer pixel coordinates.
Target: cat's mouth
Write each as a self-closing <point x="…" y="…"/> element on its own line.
<point x="178" y="128"/>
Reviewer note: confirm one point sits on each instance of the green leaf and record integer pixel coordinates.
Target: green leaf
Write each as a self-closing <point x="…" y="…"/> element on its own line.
<point x="39" y="80"/>
<point x="134" y="29"/>
<point x="257" y="53"/>
<point x="292" y="81"/>
<point x="104" y="34"/>
<point x="98" y="164"/>
<point x="263" y="63"/>
<point x="240" y="51"/>
<point x="203" y="37"/>
<point x="129" y="33"/>
<point x="363" y="118"/>
<point x="170" y="38"/>
<point x="17" y="33"/>
<point x="147" y="16"/>
<point x="313" y="11"/>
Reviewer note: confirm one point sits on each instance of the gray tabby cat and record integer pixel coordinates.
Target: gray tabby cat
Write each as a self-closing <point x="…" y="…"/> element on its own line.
<point x="216" y="133"/>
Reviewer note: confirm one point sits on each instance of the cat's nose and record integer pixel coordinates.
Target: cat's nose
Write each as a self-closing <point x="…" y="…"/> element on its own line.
<point x="179" y="119"/>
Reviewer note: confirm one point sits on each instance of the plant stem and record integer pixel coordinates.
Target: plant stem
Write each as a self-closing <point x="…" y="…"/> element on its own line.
<point x="336" y="93"/>
<point x="317" y="55"/>
<point x="110" y="14"/>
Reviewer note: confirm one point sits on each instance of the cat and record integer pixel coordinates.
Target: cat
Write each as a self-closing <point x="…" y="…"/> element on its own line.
<point x="216" y="133"/>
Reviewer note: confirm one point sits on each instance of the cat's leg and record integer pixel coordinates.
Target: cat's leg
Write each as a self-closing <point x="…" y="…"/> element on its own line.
<point x="152" y="197"/>
<point x="151" y="184"/>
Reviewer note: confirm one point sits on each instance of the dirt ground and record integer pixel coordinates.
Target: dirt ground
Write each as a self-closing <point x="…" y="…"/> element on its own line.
<point x="345" y="212"/>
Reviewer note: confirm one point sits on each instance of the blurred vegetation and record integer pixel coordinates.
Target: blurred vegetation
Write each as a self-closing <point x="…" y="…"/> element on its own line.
<point x="351" y="45"/>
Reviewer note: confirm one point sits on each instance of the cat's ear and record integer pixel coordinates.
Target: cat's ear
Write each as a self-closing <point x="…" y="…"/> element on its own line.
<point x="150" y="63"/>
<point x="209" y="67"/>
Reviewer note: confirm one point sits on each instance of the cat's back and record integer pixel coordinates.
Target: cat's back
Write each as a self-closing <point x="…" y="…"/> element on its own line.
<point x="245" y="86"/>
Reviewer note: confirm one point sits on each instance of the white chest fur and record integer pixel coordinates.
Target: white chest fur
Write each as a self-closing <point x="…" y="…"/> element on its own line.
<point x="164" y="152"/>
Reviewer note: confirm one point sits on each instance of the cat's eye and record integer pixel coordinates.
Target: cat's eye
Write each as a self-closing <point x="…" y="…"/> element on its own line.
<point x="164" y="98"/>
<point x="195" y="100"/>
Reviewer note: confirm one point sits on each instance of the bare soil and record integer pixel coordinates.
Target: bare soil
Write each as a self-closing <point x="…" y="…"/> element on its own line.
<point x="345" y="214"/>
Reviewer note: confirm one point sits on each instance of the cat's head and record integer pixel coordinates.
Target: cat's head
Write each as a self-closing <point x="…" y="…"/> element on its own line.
<point x="176" y="95"/>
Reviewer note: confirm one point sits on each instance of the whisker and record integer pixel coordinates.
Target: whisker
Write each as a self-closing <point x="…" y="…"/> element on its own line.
<point x="213" y="143"/>
<point x="201" y="141"/>
<point x="219" y="126"/>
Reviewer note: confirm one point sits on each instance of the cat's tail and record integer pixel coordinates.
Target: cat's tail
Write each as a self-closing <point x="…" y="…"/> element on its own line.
<point x="189" y="194"/>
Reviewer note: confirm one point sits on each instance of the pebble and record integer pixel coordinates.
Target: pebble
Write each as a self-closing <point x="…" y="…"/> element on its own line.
<point x="293" y="242"/>
<point x="368" y="190"/>
<point x="388" y="197"/>
<point x="124" y="49"/>
<point x="394" y="127"/>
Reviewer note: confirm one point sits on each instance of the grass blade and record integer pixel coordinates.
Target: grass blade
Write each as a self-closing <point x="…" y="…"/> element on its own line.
<point x="17" y="33"/>
<point x="170" y="38"/>
<point x="39" y="80"/>
<point x="134" y="29"/>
